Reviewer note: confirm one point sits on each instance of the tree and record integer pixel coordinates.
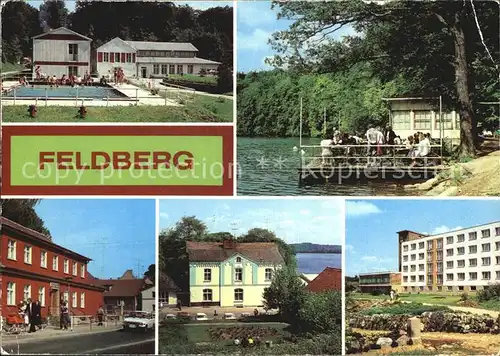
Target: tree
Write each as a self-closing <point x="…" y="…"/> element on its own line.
<point x="151" y="273"/>
<point x="22" y="211"/>
<point x="53" y="14"/>
<point x="432" y="44"/>
<point x="263" y="235"/>
<point x="224" y="79"/>
<point x="286" y="293"/>
<point x="320" y="313"/>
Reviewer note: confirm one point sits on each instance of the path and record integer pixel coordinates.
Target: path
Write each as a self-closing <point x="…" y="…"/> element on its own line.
<point x="157" y="83"/>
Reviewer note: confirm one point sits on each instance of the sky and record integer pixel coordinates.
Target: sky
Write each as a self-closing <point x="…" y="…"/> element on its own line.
<point x="199" y="5"/>
<point x="256" y="22"/>
<point x="298" y="220"/>
<point x="372" y="225"/>
<point x="117" y="234"/>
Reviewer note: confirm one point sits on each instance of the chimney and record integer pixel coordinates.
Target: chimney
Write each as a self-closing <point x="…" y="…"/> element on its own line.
<point x="229" y="244"/>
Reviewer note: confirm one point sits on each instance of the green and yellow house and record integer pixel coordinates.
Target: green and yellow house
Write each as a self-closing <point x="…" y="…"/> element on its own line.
<point x="229" y="273"/>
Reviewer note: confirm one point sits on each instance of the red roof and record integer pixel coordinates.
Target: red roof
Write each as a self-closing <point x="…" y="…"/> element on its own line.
<point x="121" y="287"/>
<point x="267" y="252"/>
<point x="329" y="279"/>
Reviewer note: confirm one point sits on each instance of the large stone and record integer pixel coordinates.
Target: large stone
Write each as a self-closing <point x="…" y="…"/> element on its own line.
<point x="450" y="192"/>
<point x="415" y="327"/>
<point x="384" y="342"/>
<point x="403" y="340"/>
<point x="428" y="184"/>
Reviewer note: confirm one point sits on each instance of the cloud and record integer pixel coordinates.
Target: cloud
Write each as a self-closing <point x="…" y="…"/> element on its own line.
<point x="257" y="40"/>
<point x="361" y="208"/>
<point x="204" y="5"/>
<point x="164" y="216"/>
<point x="350" y="248"/>
<point x="442" y="229"/>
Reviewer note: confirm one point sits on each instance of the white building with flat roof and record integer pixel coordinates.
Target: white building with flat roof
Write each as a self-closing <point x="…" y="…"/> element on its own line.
<point x="463" y="260"/>
<point x="61" y="51"/>
<point x="141" y="59"/>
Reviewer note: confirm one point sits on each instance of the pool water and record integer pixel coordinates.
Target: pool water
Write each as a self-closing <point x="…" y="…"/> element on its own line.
<point x="65" y="92"/>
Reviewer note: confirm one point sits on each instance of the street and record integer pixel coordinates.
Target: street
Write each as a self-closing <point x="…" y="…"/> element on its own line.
<point x="110" y="342"/>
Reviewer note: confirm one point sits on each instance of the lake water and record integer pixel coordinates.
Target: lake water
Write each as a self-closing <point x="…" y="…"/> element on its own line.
<point x="268" y="166"/>
<point x="317" y="262"/>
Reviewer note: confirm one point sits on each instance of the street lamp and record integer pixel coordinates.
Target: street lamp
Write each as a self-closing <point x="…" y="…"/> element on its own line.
<point x="68" y="279"/>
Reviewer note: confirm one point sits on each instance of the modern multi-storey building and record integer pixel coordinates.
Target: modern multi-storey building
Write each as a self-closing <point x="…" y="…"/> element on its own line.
<point x="141" y="59"/>
<point x="33" y="266"/>
<point x="463" y="260"/>
<point x="382" y="282"/>
<point x="230" y="273"/>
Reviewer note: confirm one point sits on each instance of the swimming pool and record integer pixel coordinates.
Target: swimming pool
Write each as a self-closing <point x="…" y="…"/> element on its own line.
<point x="39" y="91"/>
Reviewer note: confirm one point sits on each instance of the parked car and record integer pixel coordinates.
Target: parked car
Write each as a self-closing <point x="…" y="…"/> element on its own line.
<point x="229" y="316"/>
<point x="139" y="320"/>
<point x="201" y="317"/>
<point x="170" y="316"/>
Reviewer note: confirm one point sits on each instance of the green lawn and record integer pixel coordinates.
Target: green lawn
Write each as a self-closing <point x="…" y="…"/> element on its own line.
<point x="11" y="67"/>
<point x="417" y="298"/>
<point x="209" y="79"/>
<point x="491" y="305"/>
<point x="199" y="109"/>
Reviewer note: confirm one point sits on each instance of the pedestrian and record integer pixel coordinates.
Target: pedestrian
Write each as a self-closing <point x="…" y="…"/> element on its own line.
<point x="31" y="312"/>
<point x="37" y="312"/>
<point x="100" y="316"/>
<point x="215" y="314"/>
<point x="179" y="305"/>
<point x="65" y="315"/>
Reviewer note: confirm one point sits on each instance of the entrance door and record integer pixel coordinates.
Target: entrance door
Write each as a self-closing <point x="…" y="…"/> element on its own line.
<point x="143" y="72"/>
<point x="54" y="302"/>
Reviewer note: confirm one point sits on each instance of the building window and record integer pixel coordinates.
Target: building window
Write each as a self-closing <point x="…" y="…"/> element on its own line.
<point x="413" y="246"/>
<point x="461" y="263"/>
<point x="413" y="268"/>
<point x="429" y="268"/>
<point x="66" y="266"/>
<point x="180" y="69"/>
<point x="486" y="276"/>
<point x="27" y="292"/>
<point x="485" y="233"/>
<point x="486" y="247"/>
<point x="117" y="57"/>
<point x="171" y="69"/>
<point x="163" y="297"/>
<point x="41" y="296"/>
<point x="43" y="259"/>
<point x="405" y="258"/>
<point x="439" y="255"/>
<point x="238" y="259"/>
<point x="461" y="251"/>
<point x="405" y="279"/>
<point x="472" y="236"/>
<point x="238" y="274"/>
<point x="429" y="245"/>
<point x="421" y="256"/>
<point x="55" y="263"/>
<point x="421" y="245"/>
<point x="207" y="295"/>
<point x="164" y="69"/>
<point x="73" y="51"/>
<point x="440" y="243"/>
<point x="11" y="293"/>
<point x="66" y="297"/>
<point x="497" y="246"/>
<point x="449" y="276"/>
<point x="412" y="278"/>
<point x="190" y="69"/>
<point x="472" y="276"/>
<point x="497" y="274"/>
<point x="449" y="252"/>
<point x="497" y="231"/>
<point x="238" y="295"/>
<point x="473" y="262"/>
<point x="413" y="257"/>
<point x="449" y="264"/>
<point x="106" y="57"/>
<point x="129" y="57"/>
<point x="27" y="254"/>
<point x="156" y="69"/>
<point x="74" y="301"/>
<point x="461" y="276"/>
<point x="461" y="238"/>
<point x="82" y="271"/>
<point x="421" y="267"/>
<point x="473" y="249"/>
<point x="449" y="240"/>
<point x="405" y="268"/>
<point x="269" y="274"/>
<point x="207" y="275"/>
<point x="421" y="278"/>
<point x="440" y="267"/>
<point x="82" y="300"/>
<point x="401" y="120"/>
<point x="447" y="121"/>
<point x="405" y="248"/>
<point x="11" y="250"/>
<point x="423" y="120"/>
<point x="75" y="269"/>
<point x="486" y="261"/>
<point x="73" y="71"/>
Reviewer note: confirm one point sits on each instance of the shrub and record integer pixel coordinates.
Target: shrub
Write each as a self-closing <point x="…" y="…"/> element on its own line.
<point x="376" y="292"/>
<point x="464" y="297"/>
<point x="491" y="292"/>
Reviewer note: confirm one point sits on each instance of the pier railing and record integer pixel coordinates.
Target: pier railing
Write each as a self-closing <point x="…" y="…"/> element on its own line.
<point x="394" y="156"/>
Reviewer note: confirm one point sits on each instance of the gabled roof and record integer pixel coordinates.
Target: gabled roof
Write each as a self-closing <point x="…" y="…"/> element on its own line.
<point x="328" y="280"/>
<point x="128" y="274"/>
<point x="162" y="46"/>
<point x="9" y="225"/>
<point x="121" y="287"/>
<point x="116" y="39"/>
<point x="259" y="252"/>
<point x="62" y="31"/>
<point x="166" y="283"/>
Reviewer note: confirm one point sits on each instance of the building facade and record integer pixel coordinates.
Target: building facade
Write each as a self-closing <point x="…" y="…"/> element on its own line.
<point x="465" y="260"/>
<point x="167" y="291"/>
<point x="409" y="116"/>
<point x="140" y="59"/>
<point x="231" y="274"/>
<point x="33" y="266"/>
<point x="148" y="299"/>
<point x="61" y="51"/>
<point x="382" y="282"/>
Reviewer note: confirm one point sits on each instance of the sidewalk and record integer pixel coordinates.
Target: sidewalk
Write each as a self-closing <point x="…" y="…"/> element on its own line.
<point x="51" y="332"/>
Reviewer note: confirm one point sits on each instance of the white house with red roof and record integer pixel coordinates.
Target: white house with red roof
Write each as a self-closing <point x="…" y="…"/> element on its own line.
<point x="61" y="51"/>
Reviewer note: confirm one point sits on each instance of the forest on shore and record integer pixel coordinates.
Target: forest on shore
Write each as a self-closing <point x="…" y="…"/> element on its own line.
<point x="403" y="48"/>
<point x="210" y="31"/>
